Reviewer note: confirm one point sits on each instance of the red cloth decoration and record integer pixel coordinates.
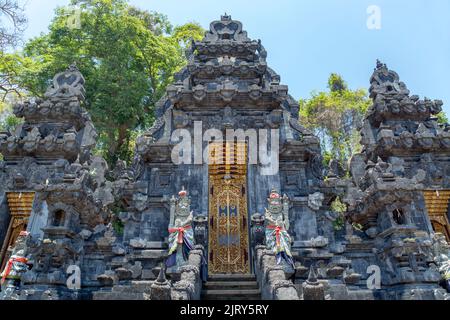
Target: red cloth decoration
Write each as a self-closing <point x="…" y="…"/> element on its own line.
<point x="180" y="231"/>
<point x="278" y="230"/>
<point x="9" y="266"/>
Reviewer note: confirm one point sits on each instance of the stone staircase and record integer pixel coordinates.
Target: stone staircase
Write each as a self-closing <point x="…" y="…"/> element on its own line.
<point x="231" y="287"/>
<point x="135" y="291"/>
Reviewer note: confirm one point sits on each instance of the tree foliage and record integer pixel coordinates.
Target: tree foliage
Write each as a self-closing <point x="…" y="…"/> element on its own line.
<point x="335" y="117"/>
<point x="13" y="66"/>
<point x="442" y="118"/>
<point x="12" y="23"/>
<point x="128" y="57"/>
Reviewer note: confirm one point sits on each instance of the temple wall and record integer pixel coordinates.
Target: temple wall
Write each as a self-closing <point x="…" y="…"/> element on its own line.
<point x="151" y="222"/>
<point x="419" y="214"/>
<point x="304" y="222"/>
<point x="4" y="216"/>
<point x="195" y="179"/>
<point x="259" y="187"/>
<point x="38" y="219"/>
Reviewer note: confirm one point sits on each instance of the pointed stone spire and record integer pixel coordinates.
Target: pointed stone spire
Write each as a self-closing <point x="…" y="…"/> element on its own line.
<point x="73" y="67"/>
<point x="312" y="277"/>
<point x="380" y="65"/>
<point x="160" y="289"/>
<point x="225" y="17"/>
<point x="312" y="288"/>
<point x="162" y="275"/>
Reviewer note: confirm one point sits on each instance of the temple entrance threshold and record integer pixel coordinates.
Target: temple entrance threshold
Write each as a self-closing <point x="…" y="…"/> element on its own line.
<point x="228" y="209"/>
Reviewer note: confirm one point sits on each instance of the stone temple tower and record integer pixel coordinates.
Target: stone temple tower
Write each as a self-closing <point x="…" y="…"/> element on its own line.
<point x="227" y="85"/>
<point x="52" y="186"/>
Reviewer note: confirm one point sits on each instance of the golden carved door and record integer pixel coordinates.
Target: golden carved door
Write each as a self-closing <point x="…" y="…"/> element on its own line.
<point x="437" y="203"/>
<point x="228" y="213"/>
<point x="20" y="205"/>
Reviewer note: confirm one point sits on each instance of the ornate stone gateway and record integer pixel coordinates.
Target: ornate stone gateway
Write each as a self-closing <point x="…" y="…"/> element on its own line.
<point x="228" y="84"/>
<point x="228" y="213"/>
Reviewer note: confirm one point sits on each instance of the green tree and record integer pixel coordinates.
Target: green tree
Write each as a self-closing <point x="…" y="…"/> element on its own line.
<point x="335" y="117"/>
<point x="12" y="24"/>
<point x="12" y="67"/>
<point x="442" y="118"/>
<point x="128" y="57"/>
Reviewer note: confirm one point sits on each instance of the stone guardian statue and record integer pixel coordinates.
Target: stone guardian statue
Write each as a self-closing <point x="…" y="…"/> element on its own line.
<point x="181" y="233"/>
<point x="278" y="239"/>
<point x="16" y="266"/>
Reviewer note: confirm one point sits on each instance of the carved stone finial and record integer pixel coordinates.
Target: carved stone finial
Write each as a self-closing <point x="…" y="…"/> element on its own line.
<point x="386" y="82"/>
<point x="73" y="67"/>
<point x="315" y="201"/>
<point x="313" y="289"/>
<point x="312" y="277"/>
<point x="160" y="289"/>
<point x="162" y="274"/>
<point x="67" y="84"/>
<point x="225" y="17"/>
<point x="380" y="65"/>
<point x="226" y="29"/>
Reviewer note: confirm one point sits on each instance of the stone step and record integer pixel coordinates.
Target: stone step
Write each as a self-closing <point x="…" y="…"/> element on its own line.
<point x="234" y="294"/>
<point x="117" y="296"/>
<point x="227" y="285"/>
<point x="232" y="277"/>
<point x="231" y="287"/>
<point x="141" y="286"/>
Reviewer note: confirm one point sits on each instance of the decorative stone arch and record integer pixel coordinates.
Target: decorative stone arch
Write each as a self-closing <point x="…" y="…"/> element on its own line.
<point x="400" y="214"/>
<point x="61" y="215"/>
<point x="59" y="218"/>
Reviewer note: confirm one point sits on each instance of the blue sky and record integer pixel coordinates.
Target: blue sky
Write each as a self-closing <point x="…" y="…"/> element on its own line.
<point x="306" y="40"/>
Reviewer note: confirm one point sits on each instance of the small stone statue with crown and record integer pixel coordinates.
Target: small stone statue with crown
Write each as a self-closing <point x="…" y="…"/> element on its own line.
<point x="278" y="239"/>
<point x="16" y="266"/>
<point x="181" y="233"/>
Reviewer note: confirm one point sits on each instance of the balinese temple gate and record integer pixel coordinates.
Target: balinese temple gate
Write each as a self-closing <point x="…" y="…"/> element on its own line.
<point x="201" y="214"/>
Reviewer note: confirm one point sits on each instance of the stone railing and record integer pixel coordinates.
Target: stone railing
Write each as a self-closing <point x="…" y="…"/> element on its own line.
<point x="190" y="285"/>
<point x="272" y="278"/>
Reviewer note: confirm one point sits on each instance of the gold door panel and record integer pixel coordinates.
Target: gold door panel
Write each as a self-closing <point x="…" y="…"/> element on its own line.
<point x="228" y="215"/>
<point x="20" y="205"/>
<point x="437" y="203"/>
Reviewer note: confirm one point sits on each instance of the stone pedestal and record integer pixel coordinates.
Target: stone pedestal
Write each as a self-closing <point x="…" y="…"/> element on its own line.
<point x="312" y="288"/>
<point x="160" y="289"/>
